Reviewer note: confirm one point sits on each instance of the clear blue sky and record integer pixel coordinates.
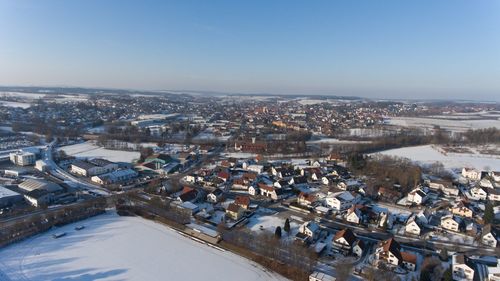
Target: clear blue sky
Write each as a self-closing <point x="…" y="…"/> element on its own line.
<point x="415" y="49"/>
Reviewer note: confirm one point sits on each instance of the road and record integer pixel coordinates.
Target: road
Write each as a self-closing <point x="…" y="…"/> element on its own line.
<point x="62" y="174"/>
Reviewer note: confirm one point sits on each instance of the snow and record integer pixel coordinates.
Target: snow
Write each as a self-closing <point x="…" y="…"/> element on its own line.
<point x="111" y="247"/>
<point x="428" y="154"/>
<point x="239" y="155"/>
<point x="334" y="141"/>
<point x="448" y="124"/>
<point x="15" y="104"/>
<point x="269" y="223"/>
<point x="89" y="149"/>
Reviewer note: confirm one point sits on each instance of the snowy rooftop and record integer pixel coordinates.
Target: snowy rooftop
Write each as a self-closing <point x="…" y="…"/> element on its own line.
<point x="5" y="192"/>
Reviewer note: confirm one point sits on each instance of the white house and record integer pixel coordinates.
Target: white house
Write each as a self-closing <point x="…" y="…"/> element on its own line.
<point x="253" y="190"/>
<point x="494" y="194"/>
<point x="486" y="183"/>
<point x="462" y="268"/>
<point x="489" y="236"/>
<point x="472" y="174"/>
<point x="388" y="251"/>
<point x="478" y="193"/>
<point x="451" y="222"/>
<point x="346" y="242"/>
<point x="309" y="229"/>
<point x="340" y="201"/>
<point x="214" y="196"/>
<point x="417" y="196"/>
<point x="255" y="168"/>
<point x="413" y="227"/>
<point x="353" y="215"/>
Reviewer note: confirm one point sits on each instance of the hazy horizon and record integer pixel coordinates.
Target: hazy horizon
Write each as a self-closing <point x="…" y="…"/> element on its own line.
<point x="399" y="50"/>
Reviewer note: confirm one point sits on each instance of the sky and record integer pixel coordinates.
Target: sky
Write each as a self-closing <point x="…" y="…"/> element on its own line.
<point x="442" y="49"/>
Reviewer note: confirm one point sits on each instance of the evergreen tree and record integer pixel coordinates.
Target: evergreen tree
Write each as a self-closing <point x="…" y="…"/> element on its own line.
<point x="489" y="214"/>
<point x="287" y="226"/>
<point x="277" y="232"/>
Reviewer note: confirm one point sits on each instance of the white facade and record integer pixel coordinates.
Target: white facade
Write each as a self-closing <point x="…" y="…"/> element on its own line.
<point x="471" y="174"/>
<point x="22" y="158"/>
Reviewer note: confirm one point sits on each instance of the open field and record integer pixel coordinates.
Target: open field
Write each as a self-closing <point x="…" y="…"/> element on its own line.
<point x="111" y="247"/>
<point x="450" y="124"/>
<point x="89" y="149"/>
<point x="427" y="154"/>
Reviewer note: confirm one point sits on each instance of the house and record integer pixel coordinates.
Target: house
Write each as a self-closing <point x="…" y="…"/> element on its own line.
<point x="409" y="261"/>
<point x="223" y="175"/>
<point x="188" y="194"/>
<point x="494" y="194"/>
<point x="329" y="179"/>
<point x="387" y="194"/>
<point x="486" y="183"/>
<point x="346" y="242"/>
<point x="444" y="186"/>
<point x="472" y="174"/>
<point x="215" y="196"/>
<point x="354" y="215"/>
<point x="308" y="230"/>
<point x="306" y="199"/>
<point x="242" y="201"/>
<point x="461" y="210"/>
<point x="255" y="168"/>
<point x="489" y="236"/>
<point x="413" y="226"/>
<point x="478" y="193"/>
<point x="189" y="179"/>
<point x="298" y="181"/>
<point x="281" y="183"/>
<point x="462" y="268"/>
<point x="389" y="252"/>
<point x="452" y="222"/>
<point x="271" y="192"/>
<point x="416" y="196"/>
<point x="495" y="176"/>
<point x="240" y="184"/>
<point x="234" y="212"/>
<point x="253" y="190"/>
<point x="340" y="201"/>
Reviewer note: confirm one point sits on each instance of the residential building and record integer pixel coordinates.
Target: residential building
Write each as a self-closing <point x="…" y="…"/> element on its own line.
<point x="472" y="174"/>
<point x="340" y="201"/>
<point x="234" y="212"/>
<point x="462" y="268"/>
<point x="453" y="223"/>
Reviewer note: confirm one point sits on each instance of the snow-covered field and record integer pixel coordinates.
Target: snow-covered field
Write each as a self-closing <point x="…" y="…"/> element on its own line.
<point x="270" y="222"/>
<point x="123" y="248"/>
<point x="448" y="124"/>
<point x="89" y="149"/>
<point x="15" y="104"/>
<point x="427" y="154"/>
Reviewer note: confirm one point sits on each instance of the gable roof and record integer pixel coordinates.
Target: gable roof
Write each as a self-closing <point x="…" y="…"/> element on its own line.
<point x="242" y="200"/>
<point x="347" y="234"/>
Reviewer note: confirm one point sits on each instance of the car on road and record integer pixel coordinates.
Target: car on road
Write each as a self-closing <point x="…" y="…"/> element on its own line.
<point x="58" y="235"/>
